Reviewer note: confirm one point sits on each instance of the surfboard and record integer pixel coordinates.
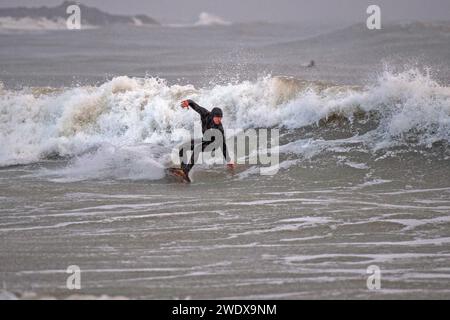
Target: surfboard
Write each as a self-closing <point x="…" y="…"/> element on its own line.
<point x="178" y="174"/>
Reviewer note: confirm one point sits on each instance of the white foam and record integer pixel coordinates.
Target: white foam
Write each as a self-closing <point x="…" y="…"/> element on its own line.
<point x="373" y="182"/>
<point x="5" y="295"/>
<point x="113" y="130"/>
<point x="208" y="19"/>
<point x="354" y="165"/>
<point x="35" y="24"/>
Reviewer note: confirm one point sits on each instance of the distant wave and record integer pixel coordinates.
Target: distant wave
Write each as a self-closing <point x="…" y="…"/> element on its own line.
<point x="359" y="37"/>
<point x="35" y="24"/>
<point x="54" y="18"/>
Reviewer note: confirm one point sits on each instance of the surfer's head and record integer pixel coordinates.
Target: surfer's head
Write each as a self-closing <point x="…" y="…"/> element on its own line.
<point x="217" y="115"/>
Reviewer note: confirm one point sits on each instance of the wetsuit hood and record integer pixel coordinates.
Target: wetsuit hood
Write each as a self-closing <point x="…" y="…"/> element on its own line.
<point x="216" y="112"/>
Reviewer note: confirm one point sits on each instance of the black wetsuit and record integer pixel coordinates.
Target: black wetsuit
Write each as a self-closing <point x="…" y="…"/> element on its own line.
<point x="207" y="123"/>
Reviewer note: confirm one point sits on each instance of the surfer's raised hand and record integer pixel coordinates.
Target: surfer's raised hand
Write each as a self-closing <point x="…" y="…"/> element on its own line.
<point x="185" y="104"/>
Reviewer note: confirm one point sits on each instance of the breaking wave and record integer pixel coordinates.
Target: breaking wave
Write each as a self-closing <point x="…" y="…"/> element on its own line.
<point x="9" y="24"/>
<point x="127" y="118"/>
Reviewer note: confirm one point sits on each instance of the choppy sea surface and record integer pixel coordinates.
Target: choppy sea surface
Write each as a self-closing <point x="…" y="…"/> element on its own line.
<point x="88" y="120"/>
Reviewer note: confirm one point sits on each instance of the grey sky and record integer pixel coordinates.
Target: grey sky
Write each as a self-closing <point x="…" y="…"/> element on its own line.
<point x="265" y="10"/>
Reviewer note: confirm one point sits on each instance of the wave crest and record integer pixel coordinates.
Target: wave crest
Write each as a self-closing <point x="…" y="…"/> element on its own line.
<point x="35" y="123"/>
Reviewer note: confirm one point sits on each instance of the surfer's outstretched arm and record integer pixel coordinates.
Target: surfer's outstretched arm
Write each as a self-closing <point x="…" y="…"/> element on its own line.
<point x="200" y="110"/>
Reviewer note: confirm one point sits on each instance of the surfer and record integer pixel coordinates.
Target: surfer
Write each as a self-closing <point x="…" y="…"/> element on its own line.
<point x="210" y="120"/>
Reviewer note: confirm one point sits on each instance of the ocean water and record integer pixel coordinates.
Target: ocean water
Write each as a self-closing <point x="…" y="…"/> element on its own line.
<point x="89" y="119"/>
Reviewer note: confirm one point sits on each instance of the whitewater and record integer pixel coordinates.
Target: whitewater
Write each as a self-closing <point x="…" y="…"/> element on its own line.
<point x="37" y="124"/>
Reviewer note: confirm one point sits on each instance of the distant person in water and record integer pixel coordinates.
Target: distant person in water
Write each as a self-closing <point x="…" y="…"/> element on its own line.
<point x="210" y="120"/>
<point x="311" y="64"/>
